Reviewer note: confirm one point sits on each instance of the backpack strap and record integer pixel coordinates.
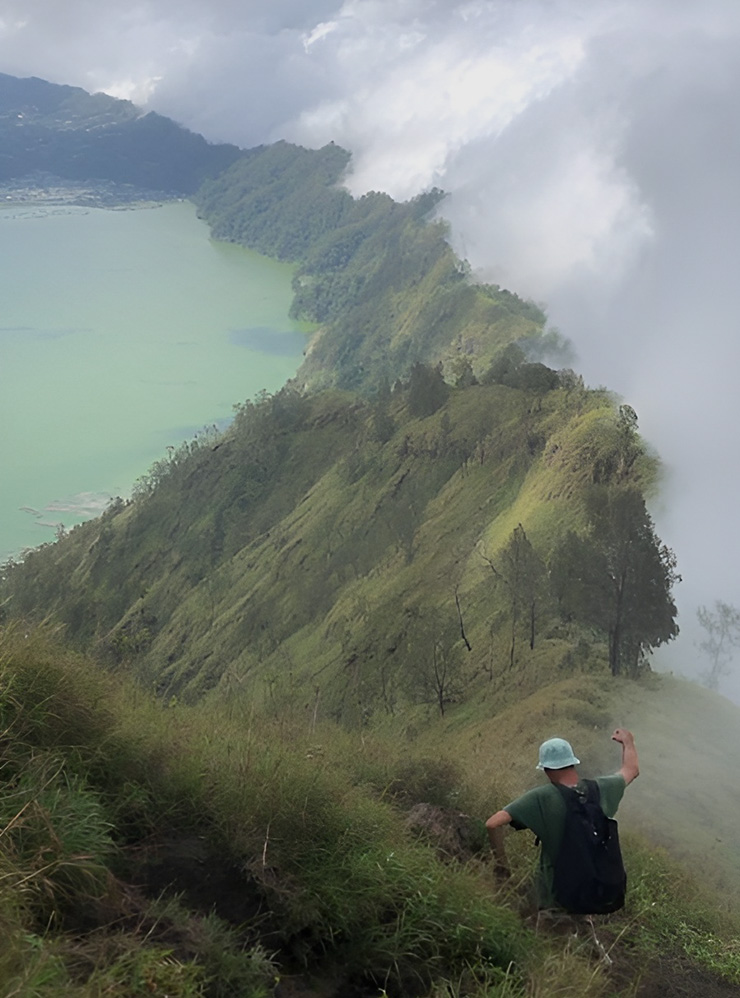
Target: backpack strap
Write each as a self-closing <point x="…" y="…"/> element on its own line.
<point x="593" y="794"/>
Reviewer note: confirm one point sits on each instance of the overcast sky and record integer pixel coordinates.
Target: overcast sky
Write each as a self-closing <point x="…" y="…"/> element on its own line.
<point x="591" y="149"/>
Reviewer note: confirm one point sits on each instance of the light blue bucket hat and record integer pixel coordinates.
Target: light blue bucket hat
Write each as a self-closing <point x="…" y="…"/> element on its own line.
<point x="556" y="753"/>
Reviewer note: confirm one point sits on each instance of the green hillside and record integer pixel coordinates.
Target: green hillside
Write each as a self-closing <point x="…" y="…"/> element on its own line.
<point x="332" y="549"/>
<point x="377" y="275"/>
<point x="254" y="716"/>
<point x="196" y="852"/>
<point x="74" y="135"/>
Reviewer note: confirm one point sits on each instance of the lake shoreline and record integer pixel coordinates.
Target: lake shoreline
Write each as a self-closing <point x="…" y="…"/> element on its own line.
<point x="46" y="190"/>
<point x="124" y="333"/>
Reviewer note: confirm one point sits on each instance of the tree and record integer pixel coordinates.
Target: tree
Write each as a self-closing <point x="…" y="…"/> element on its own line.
<point x="463" y="371"/>
<point x="520" y="571"/>
<point x="504" y="366"/>
<point x="630" y="445"/>
<point x="427" y="389"/>
<point x="570" y="381"/>
<point x="434" y="665"/>
<point x="618" y="578"/>
<point x="722" y="629"/>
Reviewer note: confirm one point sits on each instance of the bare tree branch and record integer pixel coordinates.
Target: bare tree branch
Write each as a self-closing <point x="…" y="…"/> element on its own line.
<point x="460" y="618"/>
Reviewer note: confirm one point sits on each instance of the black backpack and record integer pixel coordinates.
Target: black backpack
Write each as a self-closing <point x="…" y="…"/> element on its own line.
<point x="589" y="873"/>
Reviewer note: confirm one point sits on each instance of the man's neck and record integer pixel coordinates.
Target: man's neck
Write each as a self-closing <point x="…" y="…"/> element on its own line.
<point x="567" y="777"/>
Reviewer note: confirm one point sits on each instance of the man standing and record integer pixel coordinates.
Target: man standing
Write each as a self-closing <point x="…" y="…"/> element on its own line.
<point x="543" y="810"/>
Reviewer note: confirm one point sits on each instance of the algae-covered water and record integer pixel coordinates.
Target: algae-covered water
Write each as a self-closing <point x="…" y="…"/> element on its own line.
<point x="122" y="333"/>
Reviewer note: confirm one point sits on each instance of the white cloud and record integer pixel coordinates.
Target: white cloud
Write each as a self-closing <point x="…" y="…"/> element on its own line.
<point x="138" y="91"/>
<point x="412" y="95"/>
<point x="322" y="30"/>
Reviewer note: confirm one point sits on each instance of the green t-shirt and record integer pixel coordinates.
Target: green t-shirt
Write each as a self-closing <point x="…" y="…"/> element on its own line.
<point x="543" y="811"/>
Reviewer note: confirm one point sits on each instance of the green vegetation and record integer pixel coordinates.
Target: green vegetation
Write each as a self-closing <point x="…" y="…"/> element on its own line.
<point x="251" y="719"/>
<point x="335" y="551"/>
<point x="152" y="848"/>
<point x="377" y="275"/>
<point x="291" y="850"/>
<point x="69" y="133"/>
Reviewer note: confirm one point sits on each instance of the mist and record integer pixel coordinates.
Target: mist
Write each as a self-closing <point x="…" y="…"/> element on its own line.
<point x="591" y="151"/>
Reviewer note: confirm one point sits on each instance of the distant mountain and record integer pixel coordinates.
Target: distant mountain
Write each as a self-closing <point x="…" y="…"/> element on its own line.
<point x="74" y="135"/>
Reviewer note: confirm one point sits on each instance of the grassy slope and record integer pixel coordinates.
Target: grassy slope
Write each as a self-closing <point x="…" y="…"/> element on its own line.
<point x="298" y="556"/>
<point x="295" y="850"/>
<point x="295" y="834"/>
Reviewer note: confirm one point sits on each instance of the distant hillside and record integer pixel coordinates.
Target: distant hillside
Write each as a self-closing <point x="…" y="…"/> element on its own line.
<point x="71" y="134"/>
<point x="378" y="276"/>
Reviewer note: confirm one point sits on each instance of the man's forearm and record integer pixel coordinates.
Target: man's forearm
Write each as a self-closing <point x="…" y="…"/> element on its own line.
<point x="496" y="838"/>
<point x="630" y="764"/>
<point x="495" y="828"/>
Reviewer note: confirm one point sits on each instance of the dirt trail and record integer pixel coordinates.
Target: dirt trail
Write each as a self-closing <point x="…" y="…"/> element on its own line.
<point x="675" y="978"/>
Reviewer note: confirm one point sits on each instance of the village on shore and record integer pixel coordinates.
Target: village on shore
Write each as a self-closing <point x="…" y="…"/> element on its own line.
<point x="40" y="190"/>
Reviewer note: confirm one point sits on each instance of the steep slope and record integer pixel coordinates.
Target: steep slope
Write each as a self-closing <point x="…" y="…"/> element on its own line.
<point x="485" y="520"/>
<point x="451" y="569"/>
<point x="331" y="549"/>
<point x="153" y="848"/>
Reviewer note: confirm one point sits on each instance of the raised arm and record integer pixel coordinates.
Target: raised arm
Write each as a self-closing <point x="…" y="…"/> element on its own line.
<point x="630" y="766"/>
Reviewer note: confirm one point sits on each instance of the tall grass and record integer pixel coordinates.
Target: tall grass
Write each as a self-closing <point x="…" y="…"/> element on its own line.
<point x="97" y="771"/>
<point x="310" y="820"/>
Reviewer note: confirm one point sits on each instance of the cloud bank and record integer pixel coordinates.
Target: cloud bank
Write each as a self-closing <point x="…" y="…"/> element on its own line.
<point x="591" y="149"/>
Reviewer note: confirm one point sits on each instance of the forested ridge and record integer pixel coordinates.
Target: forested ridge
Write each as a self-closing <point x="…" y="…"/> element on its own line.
<point x="332" y="546"/>
<point x="253" y="715"/>
<point x="378" y="275"/>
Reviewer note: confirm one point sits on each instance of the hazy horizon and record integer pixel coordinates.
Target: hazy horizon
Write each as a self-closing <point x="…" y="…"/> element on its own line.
<point x="590" y="151"/>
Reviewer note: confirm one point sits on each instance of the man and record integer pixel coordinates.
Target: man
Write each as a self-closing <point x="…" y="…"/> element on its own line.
<point x="543" y="810"/>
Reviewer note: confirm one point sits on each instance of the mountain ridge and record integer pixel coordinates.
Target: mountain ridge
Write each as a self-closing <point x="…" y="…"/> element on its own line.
<point x="321" y="529"/>
<point x="374" y="592"/>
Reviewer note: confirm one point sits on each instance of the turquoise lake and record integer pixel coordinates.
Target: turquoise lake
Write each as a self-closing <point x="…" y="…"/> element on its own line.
<point x="122" y="333"/>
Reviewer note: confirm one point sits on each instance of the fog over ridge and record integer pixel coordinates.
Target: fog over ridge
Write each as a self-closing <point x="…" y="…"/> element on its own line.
<point x="591" y="151"/>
